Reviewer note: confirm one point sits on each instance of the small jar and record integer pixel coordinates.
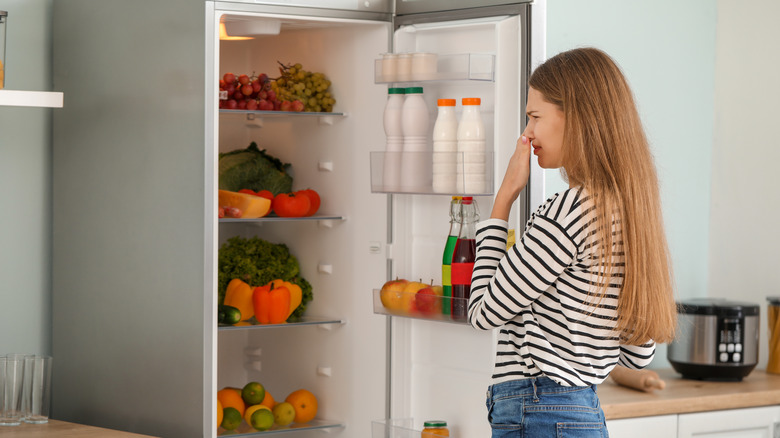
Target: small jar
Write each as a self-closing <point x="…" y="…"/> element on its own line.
<point x="3" y="20"/>
<point x="435" y="429"/>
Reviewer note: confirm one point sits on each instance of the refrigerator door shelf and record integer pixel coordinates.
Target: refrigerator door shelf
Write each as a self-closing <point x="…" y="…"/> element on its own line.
<point x="470" y="173"/>
<point x="432" y="311"/>
<point x="306" y="320"/>
<point x="398" y="428"/>
<point x="245" y="430"/>
<point x="459" y="67"/>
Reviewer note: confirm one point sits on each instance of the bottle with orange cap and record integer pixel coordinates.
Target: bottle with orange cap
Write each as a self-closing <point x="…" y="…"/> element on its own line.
<point x="471" y="175"/>
<point x="445" y="147"/>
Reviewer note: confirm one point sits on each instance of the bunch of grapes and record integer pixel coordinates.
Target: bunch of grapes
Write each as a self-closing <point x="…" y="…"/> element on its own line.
<point x="248" y="93"/>
<point x="297" y="84"/>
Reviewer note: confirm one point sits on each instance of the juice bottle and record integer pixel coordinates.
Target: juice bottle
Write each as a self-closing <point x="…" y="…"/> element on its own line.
<point x="449" y="249"/>
<point x="463" y="258"/>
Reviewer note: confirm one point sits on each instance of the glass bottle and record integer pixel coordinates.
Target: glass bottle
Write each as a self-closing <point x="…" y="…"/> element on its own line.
<point x="449" y="249"/>
<point x="435" y="429"/>
<point x="463" y="258"/>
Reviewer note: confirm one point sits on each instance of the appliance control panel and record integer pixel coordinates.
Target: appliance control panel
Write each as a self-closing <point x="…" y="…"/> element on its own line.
<point x="730" y="340"/>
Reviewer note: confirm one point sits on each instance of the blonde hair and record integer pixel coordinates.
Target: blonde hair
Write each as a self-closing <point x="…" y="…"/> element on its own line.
<point x="605" y="151"/>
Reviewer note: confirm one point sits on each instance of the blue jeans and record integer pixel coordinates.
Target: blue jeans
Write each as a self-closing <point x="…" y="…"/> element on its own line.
<point x="539" y="407"/>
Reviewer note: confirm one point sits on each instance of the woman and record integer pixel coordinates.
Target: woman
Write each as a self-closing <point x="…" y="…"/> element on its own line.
<point x="588" y="285"/>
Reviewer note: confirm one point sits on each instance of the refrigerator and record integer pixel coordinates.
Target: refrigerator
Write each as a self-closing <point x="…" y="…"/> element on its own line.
<point x="136" y="234"/>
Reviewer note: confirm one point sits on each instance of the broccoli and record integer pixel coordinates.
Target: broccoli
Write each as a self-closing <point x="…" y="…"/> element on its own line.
<point x="257" y="262"/>
<point x="254" y="169"/>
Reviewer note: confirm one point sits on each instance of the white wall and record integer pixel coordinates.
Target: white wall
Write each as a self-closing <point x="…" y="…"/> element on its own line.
<point x="666" y="49"/>
<point x="744" y="258"/>
<point x="25" y="176"/>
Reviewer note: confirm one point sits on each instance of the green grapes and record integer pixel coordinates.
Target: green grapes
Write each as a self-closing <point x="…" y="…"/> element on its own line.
<point x="310" y="88"/>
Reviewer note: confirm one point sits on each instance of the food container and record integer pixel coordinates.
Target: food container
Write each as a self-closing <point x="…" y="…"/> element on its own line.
<point x="435" y="429"/>
<point x="3" y="20"/>
<point x="423" y="66"/>
<point x="773" y="316"/>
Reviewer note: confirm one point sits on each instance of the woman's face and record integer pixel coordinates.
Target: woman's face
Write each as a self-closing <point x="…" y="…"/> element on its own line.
<point x="545" y="130"/>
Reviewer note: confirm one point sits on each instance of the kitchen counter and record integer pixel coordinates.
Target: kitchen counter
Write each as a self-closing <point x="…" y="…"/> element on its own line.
<point x="685" y="396"/>
<point x="62" y="429"/>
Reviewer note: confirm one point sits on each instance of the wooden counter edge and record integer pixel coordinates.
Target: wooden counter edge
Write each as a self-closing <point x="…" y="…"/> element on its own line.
<point x="683" y="396"/>
<point x="64" y="429"/>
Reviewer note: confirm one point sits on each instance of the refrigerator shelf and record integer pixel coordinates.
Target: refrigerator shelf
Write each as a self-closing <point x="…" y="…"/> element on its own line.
<point x="278" y="114"/>
<point x="398" y="428"/>
<point x="420" y="179"/>
<point x="326" y="217"/>
<point x="305" y="320"/>
<point x="456" y="67"/>
<point x="434" y="314"/>
<point x="37" y="99"/>
<point x="248" y="431"/>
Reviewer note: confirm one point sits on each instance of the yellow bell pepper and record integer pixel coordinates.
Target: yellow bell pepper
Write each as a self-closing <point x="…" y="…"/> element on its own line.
<point x="239" y="295"/>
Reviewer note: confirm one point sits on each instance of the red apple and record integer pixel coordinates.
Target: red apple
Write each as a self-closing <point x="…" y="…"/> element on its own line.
<point x="428" y="300"/>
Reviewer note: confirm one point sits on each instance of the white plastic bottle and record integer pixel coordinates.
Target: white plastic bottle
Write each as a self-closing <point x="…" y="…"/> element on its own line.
<point x="471" y="177"/>
<point x="415" y="159"/>
<point x="445" y="148"/>
<point x="395" y="138"/>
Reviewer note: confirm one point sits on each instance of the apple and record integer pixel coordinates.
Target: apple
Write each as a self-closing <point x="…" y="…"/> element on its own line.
<point x="428" y="300"/>
<point x="408" y="302"/>
<point x="391" y="294"/>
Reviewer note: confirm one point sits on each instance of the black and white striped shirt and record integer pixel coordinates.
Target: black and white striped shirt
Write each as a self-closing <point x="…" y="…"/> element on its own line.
<point x="539" y="293"/>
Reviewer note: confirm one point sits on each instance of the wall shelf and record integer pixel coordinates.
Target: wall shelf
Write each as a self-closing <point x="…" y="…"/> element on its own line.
<point x="39" y="99"/>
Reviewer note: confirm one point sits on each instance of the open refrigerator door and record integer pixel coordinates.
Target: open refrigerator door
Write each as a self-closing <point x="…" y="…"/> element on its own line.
<point x="361" y="366"/>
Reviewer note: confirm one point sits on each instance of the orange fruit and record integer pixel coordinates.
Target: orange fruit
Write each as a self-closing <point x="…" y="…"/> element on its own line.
<point x="231" y="398"/>
<point x="305" y="404"/>
<point x="220" y="413"/>
<point x="268" y="400"/>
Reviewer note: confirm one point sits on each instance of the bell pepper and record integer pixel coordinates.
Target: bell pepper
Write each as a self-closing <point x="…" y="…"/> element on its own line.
<point x="271" y="304"/>
<point x="239" y="295"/>
<point x="296" y="294"/>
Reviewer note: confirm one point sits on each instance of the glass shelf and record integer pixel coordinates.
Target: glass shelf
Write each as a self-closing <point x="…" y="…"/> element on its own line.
<point x="305" y="320"/>
<point x="398" y="428"/>
<point x="459" y="67"/>
<point x="403" y="304"/>
<point x="246" y="430"/>
<point x="278" y="114"/>
<point x="413" y="173"/>
<point x="281" y="219"/>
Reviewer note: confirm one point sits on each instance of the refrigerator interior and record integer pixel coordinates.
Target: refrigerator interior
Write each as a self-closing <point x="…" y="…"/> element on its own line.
<point x="343" y="364"/>
<point x="440" y="370"/>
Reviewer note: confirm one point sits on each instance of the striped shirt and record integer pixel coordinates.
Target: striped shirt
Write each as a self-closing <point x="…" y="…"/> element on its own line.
<point x="542" y="295"/>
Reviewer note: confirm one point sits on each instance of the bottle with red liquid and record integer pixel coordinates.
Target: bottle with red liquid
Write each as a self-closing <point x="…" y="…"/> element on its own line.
<point x="463" y="258"/>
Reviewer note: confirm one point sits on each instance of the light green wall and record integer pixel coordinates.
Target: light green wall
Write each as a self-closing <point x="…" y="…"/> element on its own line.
<point x="25" y="175"/>
<point x="666" y="49"/>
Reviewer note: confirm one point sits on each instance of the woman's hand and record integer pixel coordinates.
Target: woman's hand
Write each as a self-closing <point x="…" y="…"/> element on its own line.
<point x="515" y="179"/>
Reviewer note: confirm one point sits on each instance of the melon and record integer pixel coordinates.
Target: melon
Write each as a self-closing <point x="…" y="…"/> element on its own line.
<point x="251" y="206"/>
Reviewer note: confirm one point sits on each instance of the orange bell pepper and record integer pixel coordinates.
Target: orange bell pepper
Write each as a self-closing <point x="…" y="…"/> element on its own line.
<point x="239" y="295"/>
<point x="271" y="304"/>
<point x="296" y="294"/>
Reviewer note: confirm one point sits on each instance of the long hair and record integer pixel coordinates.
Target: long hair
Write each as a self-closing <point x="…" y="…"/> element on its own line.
<point x="605" y="151"/>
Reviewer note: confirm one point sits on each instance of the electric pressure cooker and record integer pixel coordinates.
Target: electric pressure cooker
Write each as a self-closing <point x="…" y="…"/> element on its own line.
<point x="716" y="339"/>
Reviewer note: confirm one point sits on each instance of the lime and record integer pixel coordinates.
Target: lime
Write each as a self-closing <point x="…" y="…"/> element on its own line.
<point x="262" y="419"/>
<point x="231" y="418"/>
<point x="253" y="393"/>
<point x="284" y="413"/>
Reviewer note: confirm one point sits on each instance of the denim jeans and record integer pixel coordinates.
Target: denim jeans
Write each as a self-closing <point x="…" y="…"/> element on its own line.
<point x="539" y="408"/>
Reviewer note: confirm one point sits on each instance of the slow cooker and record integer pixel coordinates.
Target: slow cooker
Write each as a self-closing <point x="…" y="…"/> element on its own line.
<point x="716" y="339"/>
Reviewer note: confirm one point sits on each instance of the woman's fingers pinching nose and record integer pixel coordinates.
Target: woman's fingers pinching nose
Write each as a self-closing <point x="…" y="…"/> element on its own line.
<point x="524" y="139"/>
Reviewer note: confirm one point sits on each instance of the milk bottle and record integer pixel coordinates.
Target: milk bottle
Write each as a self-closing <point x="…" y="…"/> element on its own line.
<point x="445" y="148"/>
<point x="471" y="149"/>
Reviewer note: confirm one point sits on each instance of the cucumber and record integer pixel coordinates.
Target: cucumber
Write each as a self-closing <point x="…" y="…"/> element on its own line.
<point x="228" y="315"/>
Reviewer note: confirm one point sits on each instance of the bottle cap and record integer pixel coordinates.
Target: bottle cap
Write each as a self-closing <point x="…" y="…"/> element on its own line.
<point x="472" y="101"/>
<point x="446" y="102"/>
<point x="396" y="91"/>
<point x="435" y="423"/>
<point x="414" y="90"/>
<point x="468" y="199"/>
